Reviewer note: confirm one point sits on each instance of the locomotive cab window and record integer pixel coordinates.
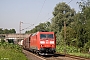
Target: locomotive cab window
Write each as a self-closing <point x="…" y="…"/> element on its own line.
<point x="46" y="36"/>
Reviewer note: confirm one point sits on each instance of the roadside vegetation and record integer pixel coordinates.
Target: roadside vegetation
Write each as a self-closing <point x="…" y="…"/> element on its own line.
<point x="6" y="31"/>
<point x="10" y="51"/>
<point x="72" y="51"/>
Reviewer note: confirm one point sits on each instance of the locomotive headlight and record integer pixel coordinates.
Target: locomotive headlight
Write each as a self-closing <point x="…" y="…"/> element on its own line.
<point x="42" y="42"/>
<point x="51" y="42"/>
<point x="41" y="45"/>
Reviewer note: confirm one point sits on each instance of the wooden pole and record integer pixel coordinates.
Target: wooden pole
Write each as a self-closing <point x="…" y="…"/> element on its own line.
<point x="65" y="36"/>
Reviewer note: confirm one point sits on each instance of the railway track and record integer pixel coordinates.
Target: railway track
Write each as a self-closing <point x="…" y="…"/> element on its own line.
<point x="77" y="57"/>
<point x="32" y="56"/>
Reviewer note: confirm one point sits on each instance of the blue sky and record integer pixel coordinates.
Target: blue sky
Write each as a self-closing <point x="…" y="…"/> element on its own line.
<point x="29" y="12"/>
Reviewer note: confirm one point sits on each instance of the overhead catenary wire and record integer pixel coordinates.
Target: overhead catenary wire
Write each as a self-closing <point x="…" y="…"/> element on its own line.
<point x="67" y="3"/>
<point x="48" y="13"/>
<point x="27" y="27"/>
<point x="70" y="1"/>
<point x="43" y="6"/>
<point x="39" y="13"/>
<point x="41" y="9"/>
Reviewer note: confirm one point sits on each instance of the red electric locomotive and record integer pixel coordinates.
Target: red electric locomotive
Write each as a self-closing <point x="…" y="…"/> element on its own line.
<point x="43" y="43"/>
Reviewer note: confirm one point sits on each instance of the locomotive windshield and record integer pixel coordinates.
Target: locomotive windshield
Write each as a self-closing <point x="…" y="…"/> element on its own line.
<point x="46" y="36"/>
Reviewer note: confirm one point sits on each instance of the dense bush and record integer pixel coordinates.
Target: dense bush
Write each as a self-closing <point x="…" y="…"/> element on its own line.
<point x="71" y="50"/>
<point x="68" y="49"/>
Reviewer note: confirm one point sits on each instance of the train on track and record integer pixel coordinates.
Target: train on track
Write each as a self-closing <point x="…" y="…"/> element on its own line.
<point x="42" y="43"/>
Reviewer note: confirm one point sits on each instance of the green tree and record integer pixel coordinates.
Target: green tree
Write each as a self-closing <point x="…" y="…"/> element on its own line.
<point x="62" y="12"/>
<point x="12" y="31"/>
<point x="81" y="24"/>
<point x="6" y="31"/>
<point x="40" y="27"/>
<point x="1" y="31"/>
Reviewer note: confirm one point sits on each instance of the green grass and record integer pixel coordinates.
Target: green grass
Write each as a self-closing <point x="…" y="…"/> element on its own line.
<point x="86" y="55"/>
<point x="71" y="50"/>
<point x="11" y="52"/>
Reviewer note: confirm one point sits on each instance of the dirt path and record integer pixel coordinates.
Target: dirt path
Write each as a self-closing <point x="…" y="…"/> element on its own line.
<point x="31" y="56"/>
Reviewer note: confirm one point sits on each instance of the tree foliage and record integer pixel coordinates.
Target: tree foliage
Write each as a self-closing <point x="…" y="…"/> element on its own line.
<point x="82" y="23"/>
<point x="6" y="31"/>
<point x="62" y="12"/>
<point x="40" y="27"/>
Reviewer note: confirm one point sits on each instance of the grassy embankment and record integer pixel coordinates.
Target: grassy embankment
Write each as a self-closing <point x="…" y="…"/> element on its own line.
<point x="11" y="52"/>
<point x="72" y="50"/>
